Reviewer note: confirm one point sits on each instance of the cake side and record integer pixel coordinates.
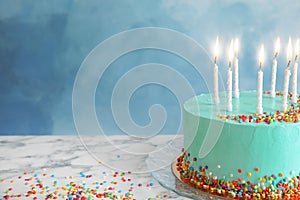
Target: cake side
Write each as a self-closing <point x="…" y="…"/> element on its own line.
<point x="260" y="155"/>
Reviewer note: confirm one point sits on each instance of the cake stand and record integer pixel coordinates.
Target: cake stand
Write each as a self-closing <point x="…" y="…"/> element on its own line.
<point x="163" y="160"/>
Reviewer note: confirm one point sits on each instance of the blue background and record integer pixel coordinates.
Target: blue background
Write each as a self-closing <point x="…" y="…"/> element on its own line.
<point x="43" y="43"/>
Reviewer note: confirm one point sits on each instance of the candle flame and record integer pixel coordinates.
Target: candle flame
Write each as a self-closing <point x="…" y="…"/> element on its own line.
<point x="289" y="51"/>
<point x="217" y="48"/>
<point x="277" y="46"/>
<point x="261" y="56"/>
<point x="236" y="46"/>
<point x="231" y="52"/>
<point x="297" y="48"/>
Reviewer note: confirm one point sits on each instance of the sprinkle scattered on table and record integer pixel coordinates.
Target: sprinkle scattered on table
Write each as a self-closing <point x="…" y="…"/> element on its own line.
<point x="86" y="187"/>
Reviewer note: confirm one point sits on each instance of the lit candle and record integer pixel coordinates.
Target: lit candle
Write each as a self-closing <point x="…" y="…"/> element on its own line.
<point x="216" y="72"/>
<point x="259" y="108"/>
<point x="287" y="74"/>
<point x="236" y="92"/>
<point x="295" y="73"/>
<point x="229" y="78"/>
<point x="274" y="68"/>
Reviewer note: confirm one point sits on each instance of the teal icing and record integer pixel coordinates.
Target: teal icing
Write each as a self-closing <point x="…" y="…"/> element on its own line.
<point x="273" y="148"/>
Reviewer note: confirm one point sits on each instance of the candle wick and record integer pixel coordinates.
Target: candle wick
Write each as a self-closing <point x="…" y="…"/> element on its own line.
<point x="296" y="58"/>
<point x="275" y="55"/>
<point x="260" y="66"/>
<point x="288" y="65"/>
<point x="215" y="60"/>
<point x="229" y="66"/>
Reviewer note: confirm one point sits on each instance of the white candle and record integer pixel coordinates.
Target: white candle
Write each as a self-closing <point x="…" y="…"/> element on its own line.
<point x="273" y="79"/>
<point x="216" y="74"/>
<point x="260" y="76"/>
<point x="236" y="92"/>
<point x="229" y="79"/>
<point x="295" y="73"/>
<point x="259" y="108"/>
<point x="274" y="69"/>
<point x="229" y="89"/>
<point x="287" y="74"/>
<point x="294" y="82"/>
<point x="216" y="84"/>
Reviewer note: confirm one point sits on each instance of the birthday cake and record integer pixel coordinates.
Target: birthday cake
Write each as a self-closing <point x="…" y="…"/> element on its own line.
<point x="241" y="154"/>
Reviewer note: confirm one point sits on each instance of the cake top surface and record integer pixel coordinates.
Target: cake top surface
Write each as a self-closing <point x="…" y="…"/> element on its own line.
<point x="243" y="109"/>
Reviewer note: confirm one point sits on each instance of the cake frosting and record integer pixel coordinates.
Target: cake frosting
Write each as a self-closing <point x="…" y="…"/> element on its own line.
<point x="241" y="154"/>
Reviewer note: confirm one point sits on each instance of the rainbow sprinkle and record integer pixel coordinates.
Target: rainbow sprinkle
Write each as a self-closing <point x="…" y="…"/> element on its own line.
<point x="291" y="115"/>
<point x="268" y="187"/>
<point x="87" y="187"/>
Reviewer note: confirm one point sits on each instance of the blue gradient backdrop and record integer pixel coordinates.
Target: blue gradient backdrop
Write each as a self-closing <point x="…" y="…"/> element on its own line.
<point x="43" y="43"/>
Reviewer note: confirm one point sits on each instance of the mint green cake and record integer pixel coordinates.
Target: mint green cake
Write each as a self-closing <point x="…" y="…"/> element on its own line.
<point x="241" y="154"/>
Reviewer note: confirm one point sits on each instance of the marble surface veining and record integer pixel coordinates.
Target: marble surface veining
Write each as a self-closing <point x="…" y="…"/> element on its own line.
<point x="95" y="161"/>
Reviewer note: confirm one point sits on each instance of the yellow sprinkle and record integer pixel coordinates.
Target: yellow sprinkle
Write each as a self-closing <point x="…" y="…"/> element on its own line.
<point x="249" y="174"/>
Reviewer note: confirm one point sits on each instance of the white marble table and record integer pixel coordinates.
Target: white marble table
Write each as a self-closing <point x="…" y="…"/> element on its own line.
<point x="56" y="166"/>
